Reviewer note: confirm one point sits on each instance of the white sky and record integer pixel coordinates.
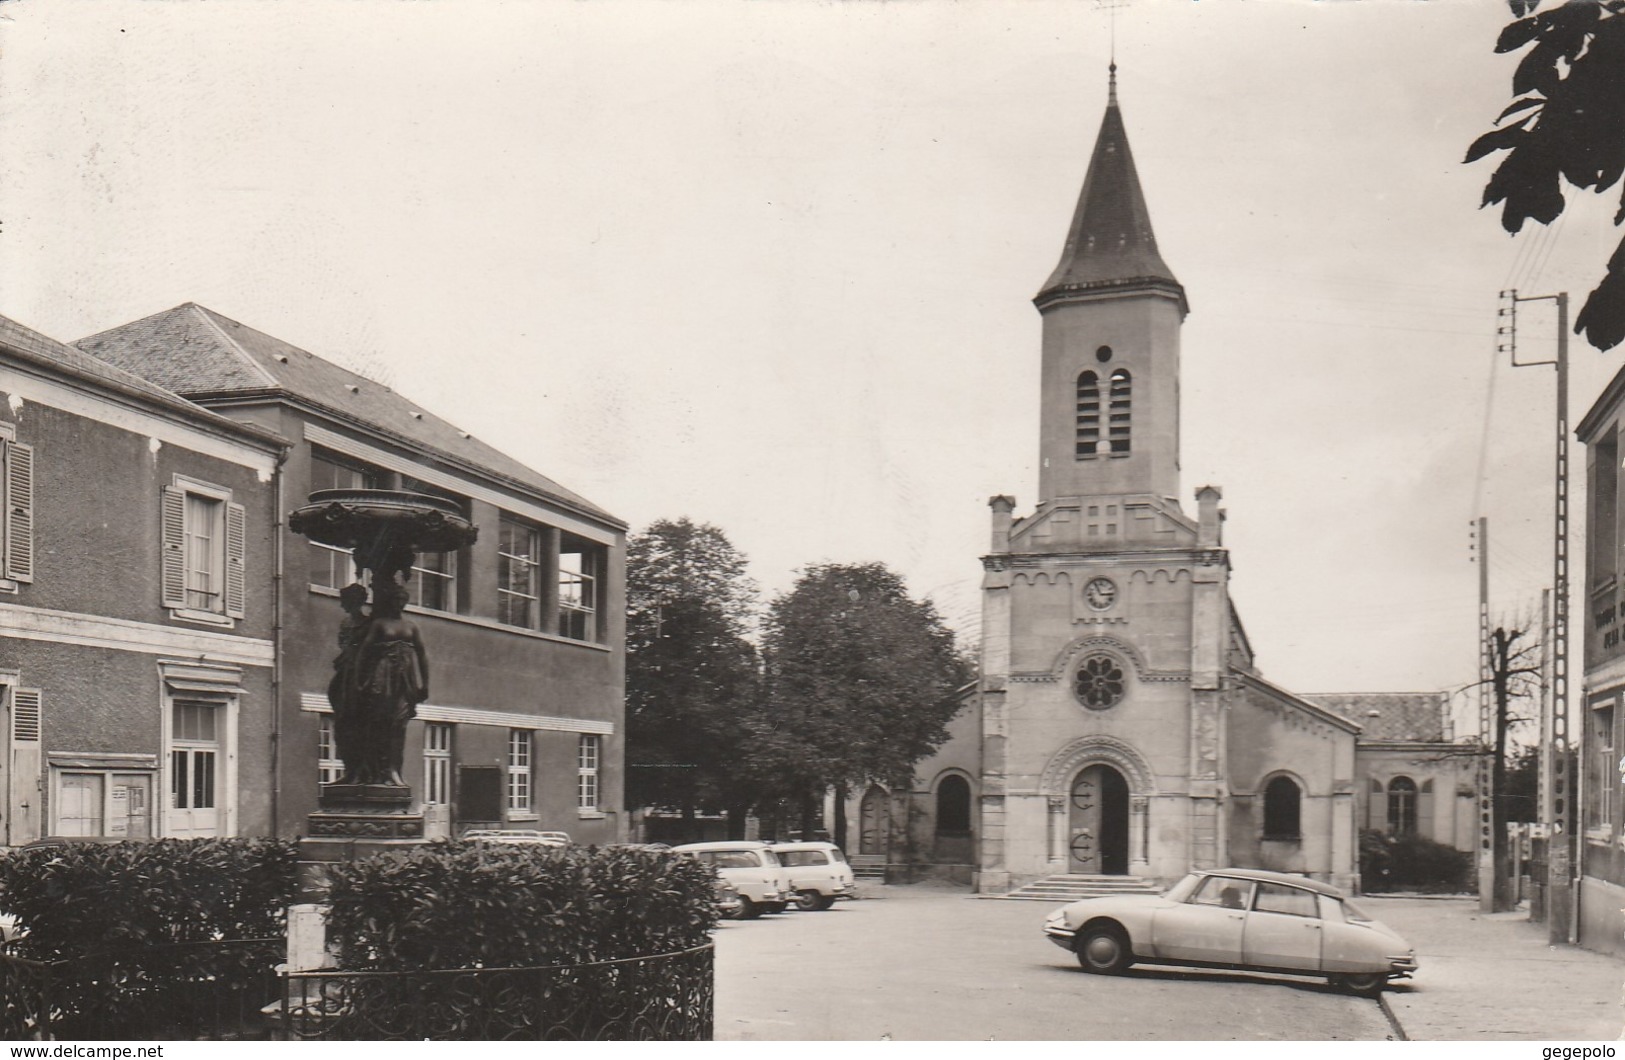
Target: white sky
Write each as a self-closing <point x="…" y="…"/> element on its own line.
<point x="769" y="265"/>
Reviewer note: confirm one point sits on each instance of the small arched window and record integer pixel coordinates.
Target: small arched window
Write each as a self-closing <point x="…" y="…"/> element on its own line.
<point x="1282" y="802"/>
<point x="1088" y="439"/>
<point x="1402" y="806"/>
<point x="1121" y="400"/>
<point x="953" y="806"/>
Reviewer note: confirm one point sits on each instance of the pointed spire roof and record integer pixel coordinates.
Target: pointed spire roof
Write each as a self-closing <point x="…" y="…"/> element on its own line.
<point x="1110" y="243"/>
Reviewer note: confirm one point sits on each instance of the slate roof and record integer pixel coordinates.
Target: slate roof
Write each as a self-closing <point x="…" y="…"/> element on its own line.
<point x="203" y="355"/>
<point x="1110" y="238"/>
<point x="1400" y="717"/>
<point x="35" y="346"/>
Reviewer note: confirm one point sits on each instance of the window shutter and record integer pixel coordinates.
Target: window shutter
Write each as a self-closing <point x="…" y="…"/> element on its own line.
<point x="236" y="544"/>
<point x="19" y="512"/>
<point x="174" y="547"/>
<point x="25" y="716"/>
<point x="1424" y="811"/>
<point x="1377" y="807"/>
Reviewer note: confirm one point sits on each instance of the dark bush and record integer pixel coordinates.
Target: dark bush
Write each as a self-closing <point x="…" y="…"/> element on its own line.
<point x="84" y="898"/>
<point x="161" y="939"/>
<point x="1412" y="863"/>
<point x="471" y="905"/>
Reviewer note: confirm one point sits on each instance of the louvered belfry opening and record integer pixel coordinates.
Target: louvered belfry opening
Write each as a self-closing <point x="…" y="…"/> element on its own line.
<point x="1121" y="397"/>
<point x="1088" y="440"/>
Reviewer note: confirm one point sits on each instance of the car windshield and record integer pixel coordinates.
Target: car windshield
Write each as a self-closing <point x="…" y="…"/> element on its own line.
<point x="1182" y="890"/>
<point x="735" y="859"/>
<point x="1356" y="914"/>
<point x="797" y="858"/>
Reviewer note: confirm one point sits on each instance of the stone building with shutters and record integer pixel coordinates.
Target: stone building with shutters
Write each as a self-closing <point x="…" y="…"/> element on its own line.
<point x="525" y="628"/>
<point x="1121" y="726"/>
<point x="136" y="631"/>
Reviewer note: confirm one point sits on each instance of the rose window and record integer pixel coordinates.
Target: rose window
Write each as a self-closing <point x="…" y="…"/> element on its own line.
<point x="1100" y="682"/>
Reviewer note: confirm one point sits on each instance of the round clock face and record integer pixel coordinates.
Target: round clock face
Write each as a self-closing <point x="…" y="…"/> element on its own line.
<point x="1100" y="593"/>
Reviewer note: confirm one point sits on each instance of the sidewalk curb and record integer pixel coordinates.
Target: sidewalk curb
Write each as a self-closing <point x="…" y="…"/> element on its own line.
<point x="1393" y="1020"/>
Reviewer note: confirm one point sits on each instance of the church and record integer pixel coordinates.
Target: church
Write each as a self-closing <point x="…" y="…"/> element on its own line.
<point x="1119" y="726"/>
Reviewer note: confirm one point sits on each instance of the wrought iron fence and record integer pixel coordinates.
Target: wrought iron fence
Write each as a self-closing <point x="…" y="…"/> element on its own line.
<point x="666" y="997"/>
<point x="211" y="990"/>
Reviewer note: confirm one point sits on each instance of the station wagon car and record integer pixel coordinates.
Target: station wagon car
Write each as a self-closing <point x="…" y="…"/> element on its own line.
<point x="1236" y="918"/>
<point x="817" y="874"/>
<point x="753" y="870"/>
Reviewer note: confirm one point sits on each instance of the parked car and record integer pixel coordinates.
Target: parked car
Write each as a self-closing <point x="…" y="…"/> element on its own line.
<point x="517" y="837"/>
<point x="1237" y="918"/>
<point x="752" y="868"/>
<point x="729" y="905"/>
<point x="817" y="874"/>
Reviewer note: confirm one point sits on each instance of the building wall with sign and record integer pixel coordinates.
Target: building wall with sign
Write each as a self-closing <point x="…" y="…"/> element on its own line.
<point x="1597" y="729"/>
<point x="136" y="695"/>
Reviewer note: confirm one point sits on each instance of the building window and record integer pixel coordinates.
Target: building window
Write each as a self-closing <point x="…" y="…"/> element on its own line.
<point x="1603" y="534"/>
<point x="204" y="536"/>
<point x="103" y="803"/>
<point x="1099" y="683"/>
<point x="519" y="776"/>
<point x="580" y="567"/>
<point x="16" y="509"/>
<point x="329" y="767"/>
<point x="519" y="567"/>
<point x="1602" y="786"/>
<point x="1121" y="394"/>
<point x="1402" y="806"/>
<point x="1282" y="805"/>
<point x="587" y="773"/>
<point x="194" y="774"/>
<point x="437" y="763"/>
<point x="331" y="566"/>
<point x="953" y="806"/>
<point x="1088" y="415"/>
<point x="434" y="584"/>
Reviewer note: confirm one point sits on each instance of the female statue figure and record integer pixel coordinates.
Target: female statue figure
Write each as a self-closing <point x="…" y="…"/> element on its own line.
<point x="349" y="730"/>
<point x="392" y="678"/>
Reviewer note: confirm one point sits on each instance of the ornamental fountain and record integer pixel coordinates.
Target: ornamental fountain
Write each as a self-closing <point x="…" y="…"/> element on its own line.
<point x="381" y="672"/>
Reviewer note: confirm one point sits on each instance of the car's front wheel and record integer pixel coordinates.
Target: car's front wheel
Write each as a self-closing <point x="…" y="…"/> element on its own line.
<point x="1364" y="985"/>
<point x="1104" y="950"/>
<point x="749" y="909"/>
<point x="813" y="902"/>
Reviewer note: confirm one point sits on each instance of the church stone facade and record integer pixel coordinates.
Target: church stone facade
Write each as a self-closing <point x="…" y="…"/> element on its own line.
<point x="1120" y="726"/>
<point x="1124" y="727"/>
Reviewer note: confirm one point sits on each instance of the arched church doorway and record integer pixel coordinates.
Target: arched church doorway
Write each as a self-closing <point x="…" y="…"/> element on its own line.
<point x="1099" y="822"/>
<point x="872" y="821"/>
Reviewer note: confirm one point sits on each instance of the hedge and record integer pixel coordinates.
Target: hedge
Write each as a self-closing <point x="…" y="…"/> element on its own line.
<point x="84" y="898"/>
<point x="1412" y="863"/>
<point x="168" y="939"/>
<point x="474" y="905"/>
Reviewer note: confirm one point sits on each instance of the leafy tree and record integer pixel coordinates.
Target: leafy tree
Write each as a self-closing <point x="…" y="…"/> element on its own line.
<point x="1566" y="122"/>
<point x="861" y="681"/>
<point x="691" y="679"/>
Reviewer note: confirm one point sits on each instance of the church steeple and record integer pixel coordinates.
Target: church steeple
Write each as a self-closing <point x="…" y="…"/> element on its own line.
<point x="1110" y="242"/>
<point x="1112" y="309"/>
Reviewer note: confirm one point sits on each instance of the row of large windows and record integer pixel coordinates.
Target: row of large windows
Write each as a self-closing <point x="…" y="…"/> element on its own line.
<point x="548" y="579"/>
<point x="520" y="765"/>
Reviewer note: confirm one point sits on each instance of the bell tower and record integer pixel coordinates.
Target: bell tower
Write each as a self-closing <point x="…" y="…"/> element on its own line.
<point x="1112" y="311"/>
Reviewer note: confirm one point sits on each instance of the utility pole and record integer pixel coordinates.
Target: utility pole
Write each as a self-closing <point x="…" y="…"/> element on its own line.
<point x="1557" y="785"/>
<point x="1486" y="724"/>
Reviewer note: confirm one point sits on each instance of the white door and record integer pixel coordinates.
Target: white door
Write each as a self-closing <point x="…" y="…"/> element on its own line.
<point x="194" y="770"/>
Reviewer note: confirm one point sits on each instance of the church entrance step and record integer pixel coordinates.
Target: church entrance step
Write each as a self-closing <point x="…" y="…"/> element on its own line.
<point x="1069" y="887"/>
